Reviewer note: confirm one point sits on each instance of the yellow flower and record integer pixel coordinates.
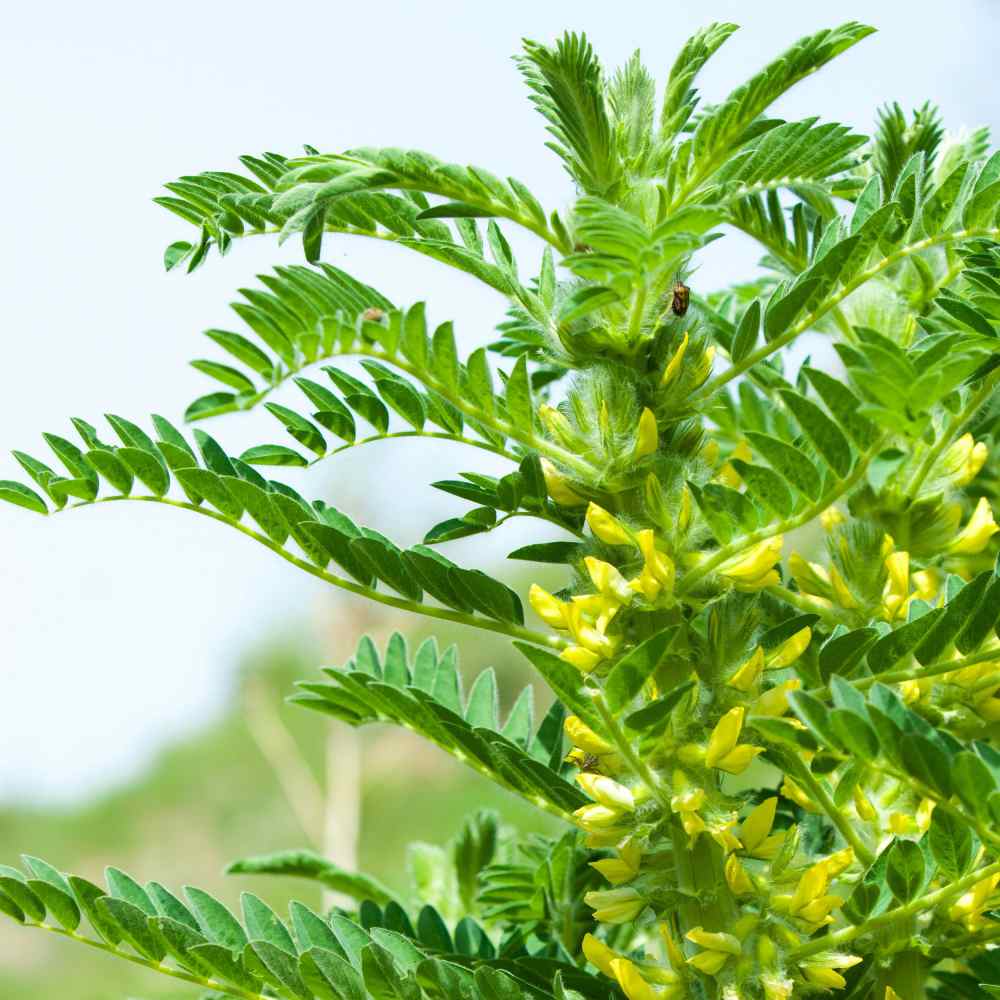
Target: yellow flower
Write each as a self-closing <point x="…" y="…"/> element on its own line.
<point x="774" y="701"/>
<point x="583" y="659"/>
<point x="608" y="581"/>
<point x="594" y="817"/>
<point x="719" y="948"/>
<point x="674" y="365"/>
<point x="897" y="586"/>
<point x="599" y="954"/>
<point x="792" y="791"/>
<point x="550" y="609"/>
<point x="724" y="751"/>
<point x="658" y="572"/>
<point x="831" y="518"/>
<point x="863" y="806"/>
<point x="582" y="736"/>
<point x="587" y="634"/>
<point x="757" y="826"/>
<point x="648" y="437"/>
<point x="754" y="569"/>
<point x="962" y="462"/>
<point x="976" y="535"/>
<point x="673" y="949"/>
<point x="891" y="994"/>
<point x="606" y="791"/>
<point x="615" y="906"/>
<point x="624" y="868"/>
<point x="749" y="673"/>
<point x="810" y="901"/>
<point x="606" y="527"/>
<point x="841" y="591"/>
<point x="558" y="488"/>
<point x="736" y="877"/>
<point x="790" y="650"/>
<point x="631" y="981"/>
<point x="821" y="970"/>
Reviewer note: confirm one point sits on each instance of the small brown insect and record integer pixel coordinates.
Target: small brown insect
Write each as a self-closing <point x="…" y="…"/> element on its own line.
<point x="681" y="300"/>
<point x="590" y="762"/>
<point x="373" y="314"/>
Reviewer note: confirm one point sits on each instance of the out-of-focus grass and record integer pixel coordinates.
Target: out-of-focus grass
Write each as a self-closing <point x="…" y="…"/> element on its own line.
<point x="213" y="798"/>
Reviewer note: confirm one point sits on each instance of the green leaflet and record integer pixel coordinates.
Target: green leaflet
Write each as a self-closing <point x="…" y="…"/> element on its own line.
<point x="425" y="695"/>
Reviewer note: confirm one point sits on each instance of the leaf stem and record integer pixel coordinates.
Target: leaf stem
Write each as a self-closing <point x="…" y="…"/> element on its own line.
<point x="837" y="816"/>
<point x="166" y="970"/>
<point x="443" y="614"/>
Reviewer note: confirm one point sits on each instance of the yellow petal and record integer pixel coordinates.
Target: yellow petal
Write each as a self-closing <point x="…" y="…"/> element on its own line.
<point x="606" y="527"/>
<point x="790" y="650"/>
<point x="758" y="824"/>
<point x="583" y="659"/>
<point x="631" y="981"/>
<point x="674" y="365"/>
<point x="976" y="535"/>
<point x="550" y="609"/>
<point x="599" y="954"/>
<point x="558" y="488"/>
<point x="709" y="962"/>
<point x="715" y="940"/>
<point x="607" y="791"/>
<point x="749" y="673"/>
<point x="608" y="581"/>
<point x="739" y="758"/>
<point x="724" y="736"/>
<point x="582" y="736"/>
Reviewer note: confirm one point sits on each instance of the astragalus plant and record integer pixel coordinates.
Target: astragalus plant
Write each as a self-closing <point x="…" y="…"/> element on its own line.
<point x="773" y="649"/>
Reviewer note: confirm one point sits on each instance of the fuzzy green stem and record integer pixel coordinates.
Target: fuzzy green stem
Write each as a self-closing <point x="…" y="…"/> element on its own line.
<point x="837" y="816"/>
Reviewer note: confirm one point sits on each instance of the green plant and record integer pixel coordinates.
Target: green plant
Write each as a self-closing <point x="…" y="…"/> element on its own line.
<point x="778" y="776"/>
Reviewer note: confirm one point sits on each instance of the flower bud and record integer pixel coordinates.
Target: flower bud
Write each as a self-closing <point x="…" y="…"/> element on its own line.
<point x="648" y="436"/>
<point x="558" y="487"/>
<point x="607" y="791"/>
<point x="606" y="527"/>
<point x="582" y="736"/>
<point x="674" y="365"/>
<point x="550" y="609"/>
<point x="615" y="906"/>
<point x="749" y="673"/>
<point x="790" y="650"/>
<point x="976" y="535"/>
<point x="584" y="660"/>
<point x="757" y="826"/>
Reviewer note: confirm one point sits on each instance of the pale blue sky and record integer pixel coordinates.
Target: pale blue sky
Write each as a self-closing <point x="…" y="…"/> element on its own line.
<point x="122" y="624"/>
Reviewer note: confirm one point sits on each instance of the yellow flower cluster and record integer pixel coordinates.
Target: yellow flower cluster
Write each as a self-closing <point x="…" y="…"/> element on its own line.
<point x="829" y="586"/>
<point x="810" y="902"/>
<point x="586" y="617"/>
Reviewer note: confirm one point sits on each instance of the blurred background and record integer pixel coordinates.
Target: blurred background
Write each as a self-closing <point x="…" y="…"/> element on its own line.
<point x="146" y="653"/>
